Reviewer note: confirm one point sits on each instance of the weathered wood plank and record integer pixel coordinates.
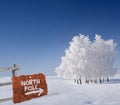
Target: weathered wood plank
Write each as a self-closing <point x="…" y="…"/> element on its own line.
<point x="5" y="69"/>
<point x="6" y="83"/>
<point x="14" y="68"/>
<point x="6" y="99"/>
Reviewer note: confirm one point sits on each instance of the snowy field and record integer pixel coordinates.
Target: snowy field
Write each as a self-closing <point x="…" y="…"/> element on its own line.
<point x="66" y="92"/>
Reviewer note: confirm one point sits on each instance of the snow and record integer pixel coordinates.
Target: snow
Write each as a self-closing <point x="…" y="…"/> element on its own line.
<point x="5" y="79"/>
<point x="66" y="92"/>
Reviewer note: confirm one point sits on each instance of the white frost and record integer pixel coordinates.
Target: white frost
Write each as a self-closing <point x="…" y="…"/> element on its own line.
<point x="88" y="59"/>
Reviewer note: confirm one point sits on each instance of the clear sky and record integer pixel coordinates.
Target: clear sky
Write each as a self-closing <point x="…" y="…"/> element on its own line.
<point x="35" y="33"/>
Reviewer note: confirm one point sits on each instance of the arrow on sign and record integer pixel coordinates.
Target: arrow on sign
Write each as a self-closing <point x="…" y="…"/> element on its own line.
<point x="36" y="91"/>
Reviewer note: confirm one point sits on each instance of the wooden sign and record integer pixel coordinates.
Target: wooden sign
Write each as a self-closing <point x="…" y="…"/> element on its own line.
<point x="26" y="87"/>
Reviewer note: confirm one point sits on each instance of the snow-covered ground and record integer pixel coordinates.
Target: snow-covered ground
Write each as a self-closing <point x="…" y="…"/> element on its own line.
<point x="66" y="92"/>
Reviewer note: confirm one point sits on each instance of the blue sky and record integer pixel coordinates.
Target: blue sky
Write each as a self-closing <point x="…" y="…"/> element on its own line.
<point x="35" y="33"/>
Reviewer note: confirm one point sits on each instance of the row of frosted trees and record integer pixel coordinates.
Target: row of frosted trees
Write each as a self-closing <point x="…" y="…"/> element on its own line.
<point x="89" y="61"/>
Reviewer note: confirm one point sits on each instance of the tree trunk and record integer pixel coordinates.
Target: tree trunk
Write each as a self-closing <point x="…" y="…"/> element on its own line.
<point x="100" y="80"/>
<point x="75" y="80"/>
<point x="107" y="79"/>
<point x="80" y="81"/>
<point x="87" y="81"/>
<point x="95" y="80"/>
<point x="103" y="80"/>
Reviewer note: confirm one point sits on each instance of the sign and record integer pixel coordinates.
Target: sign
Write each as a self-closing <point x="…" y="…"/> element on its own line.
<point x="26" y="87"/>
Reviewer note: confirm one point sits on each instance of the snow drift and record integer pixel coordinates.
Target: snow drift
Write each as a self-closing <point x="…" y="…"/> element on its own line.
<point x="65" y="92"/>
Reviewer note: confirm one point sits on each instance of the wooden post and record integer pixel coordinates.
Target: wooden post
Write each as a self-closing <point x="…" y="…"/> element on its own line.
<point x="15" y="68"/>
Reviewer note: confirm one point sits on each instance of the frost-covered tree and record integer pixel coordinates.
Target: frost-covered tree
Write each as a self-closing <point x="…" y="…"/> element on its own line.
<point x="103" y="60"/>
<point x="71" y="65"/>
<point x="87" y="60"/>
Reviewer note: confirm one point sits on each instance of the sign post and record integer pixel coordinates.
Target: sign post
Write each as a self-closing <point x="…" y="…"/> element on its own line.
<point x="26" y="87"/>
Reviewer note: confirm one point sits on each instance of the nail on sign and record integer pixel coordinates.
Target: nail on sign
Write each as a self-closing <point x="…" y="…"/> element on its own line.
<point x="26" y="87"/>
